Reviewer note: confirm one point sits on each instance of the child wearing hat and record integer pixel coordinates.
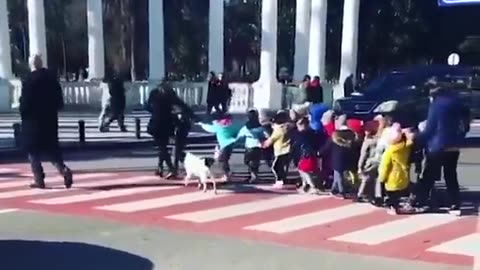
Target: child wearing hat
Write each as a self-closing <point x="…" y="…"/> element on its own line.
<point x="367" y="165"/>
<point x="394" y="171"/>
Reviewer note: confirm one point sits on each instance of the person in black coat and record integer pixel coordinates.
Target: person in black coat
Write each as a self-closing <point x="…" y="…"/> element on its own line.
<point x="225" y="93"/>
<point x="184" y="118"/>
<point x="214" y="94"/>
<point x="40" y="102"/>
<point x="115" y="108"/>
<point x="162" y="123"/>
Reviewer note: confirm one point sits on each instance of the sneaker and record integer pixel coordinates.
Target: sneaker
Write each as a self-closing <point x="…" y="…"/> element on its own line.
<point x="301" y="190"/>
<point x="360" y="199"/>
<point x="339" y="196"/>
<point x="455" y="210"/>
<point x="314" y="191"/>
<point x="278" y="185"/>
<point x="39" y="185"/>
<point x="393" y="211"/>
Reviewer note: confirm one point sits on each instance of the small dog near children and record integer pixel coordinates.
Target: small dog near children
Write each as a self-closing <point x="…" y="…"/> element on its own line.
<point x="200" y="168"/>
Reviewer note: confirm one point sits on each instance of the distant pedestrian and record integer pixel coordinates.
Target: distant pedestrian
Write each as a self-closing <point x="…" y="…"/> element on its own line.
<point x="214" y="94"/>
<point x="315" y="91"/>
<point x="40" y="102"/>
<point x="114" y="109"/>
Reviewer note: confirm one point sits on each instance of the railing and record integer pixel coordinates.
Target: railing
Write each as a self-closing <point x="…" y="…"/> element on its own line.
<point x="89" y="95"/>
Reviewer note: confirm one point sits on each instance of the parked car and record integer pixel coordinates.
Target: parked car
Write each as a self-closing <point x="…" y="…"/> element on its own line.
<point x="402" y="94"/>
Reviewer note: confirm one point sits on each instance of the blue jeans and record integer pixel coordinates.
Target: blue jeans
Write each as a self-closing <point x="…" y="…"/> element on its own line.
<point x="338" y="182"/>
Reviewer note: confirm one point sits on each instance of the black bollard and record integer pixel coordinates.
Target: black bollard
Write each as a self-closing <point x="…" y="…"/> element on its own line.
<point x="138" y="128"/>
<point x="81" y="131"/>
<point x="17" y="129"/>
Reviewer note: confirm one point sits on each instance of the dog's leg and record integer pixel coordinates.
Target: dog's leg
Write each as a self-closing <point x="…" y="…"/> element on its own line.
<point x="186" y="180"/>
<point x="214" y="183"/>
<point x="204" y="183"/>
<point x="199" y="186"/>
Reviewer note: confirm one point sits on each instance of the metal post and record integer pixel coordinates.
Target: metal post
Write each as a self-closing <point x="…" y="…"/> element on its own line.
<point x="81" y="132"/>
<point x="138" y="128"/>
<point x="17" y="129"/>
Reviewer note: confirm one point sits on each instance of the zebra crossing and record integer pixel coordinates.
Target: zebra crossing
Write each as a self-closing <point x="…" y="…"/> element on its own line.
<point x="255" y="212"/>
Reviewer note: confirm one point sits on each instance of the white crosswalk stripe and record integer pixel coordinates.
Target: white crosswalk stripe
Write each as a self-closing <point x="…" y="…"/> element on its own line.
<point x="396" y="229"/>
<point x="296" y="223"/>
<point x="8" y="170"/>
<point x="156" y="203"/>
<point x="56" y="179"/>
<point x="244" y="208"/>
<point x="6" y="211"/>
<point x="468" y="245"/>
<point x="110" y="182"/>
<point x="101" y="195"/>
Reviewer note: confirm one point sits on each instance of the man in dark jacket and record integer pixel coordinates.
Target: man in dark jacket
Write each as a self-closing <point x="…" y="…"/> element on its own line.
<point x="115" y="108"/>
<point x="447" y="125"/>
<point x="214" y="94"/>
<point x="40" y="102"/>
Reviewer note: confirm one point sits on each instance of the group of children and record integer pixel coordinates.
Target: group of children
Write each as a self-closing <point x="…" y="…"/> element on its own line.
<point x="369" y="160"/>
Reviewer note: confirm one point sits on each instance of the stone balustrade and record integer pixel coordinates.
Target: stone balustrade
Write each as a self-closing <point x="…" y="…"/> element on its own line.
<point x="89" y="95"/>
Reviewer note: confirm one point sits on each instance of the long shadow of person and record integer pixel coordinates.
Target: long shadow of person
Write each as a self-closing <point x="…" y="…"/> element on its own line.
<point x="40" y="255"/>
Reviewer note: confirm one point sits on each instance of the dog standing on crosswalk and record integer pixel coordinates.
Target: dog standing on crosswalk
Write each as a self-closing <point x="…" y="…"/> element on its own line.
<point x="201" y="168"/>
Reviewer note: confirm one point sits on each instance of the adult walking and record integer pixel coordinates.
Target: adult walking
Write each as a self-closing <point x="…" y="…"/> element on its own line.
<point x="162" y="123"/>
<point x="447" y="125"/>
<point x="214" y="94"/>
<point x="225" y="92"/>
<point x="40" y="102"/>
<point x="315" y="91"/>
<point x="183" y="123"/>
<point x="114" y="109"/>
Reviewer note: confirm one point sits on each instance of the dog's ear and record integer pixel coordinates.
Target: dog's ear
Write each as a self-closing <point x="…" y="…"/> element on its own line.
<point x="209" y="162"/>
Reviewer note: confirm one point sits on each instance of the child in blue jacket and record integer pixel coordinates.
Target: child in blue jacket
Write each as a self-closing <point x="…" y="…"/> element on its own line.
<point x="226" y="132"/>
<point x="254" y="134"/>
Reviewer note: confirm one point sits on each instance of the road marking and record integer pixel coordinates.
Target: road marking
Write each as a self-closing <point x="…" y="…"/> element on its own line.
<point x="244" y="208"/>
<point x="142" y="205"/>
<point x="101" y="195"/>
<point x="8" y="170"/>
<point x="297" y="223"/>
<point x="6" y="211"/>
<point x="389" y="231"/>
<point x="111" y="182"/>
<point x="55" y="179"/>
<point x="468" y="245"/>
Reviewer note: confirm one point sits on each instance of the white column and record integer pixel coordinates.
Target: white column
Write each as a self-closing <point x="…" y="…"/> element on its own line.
<point x="96" y="47"/>
<point x="302" y="33"/>
<point x="36" y="29"/>
<point x="215" y="36"/>
<point x="351" y="13"/>
<point x="318" y="39"/>
<point x="5" y="51"/>
<point x="267" y="90"/>
<point x="156" y="40"/>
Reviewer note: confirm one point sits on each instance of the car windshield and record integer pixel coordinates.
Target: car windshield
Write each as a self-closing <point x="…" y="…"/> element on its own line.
<point x="388" y="81"/>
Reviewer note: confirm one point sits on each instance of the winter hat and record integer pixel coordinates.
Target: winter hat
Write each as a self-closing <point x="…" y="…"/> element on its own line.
<point x="341" y="122"/>
<point x="355" y="125"/>
<point x="327" y="117"/>
<point x="395" y="133"/>
<point x="371" y="126"/>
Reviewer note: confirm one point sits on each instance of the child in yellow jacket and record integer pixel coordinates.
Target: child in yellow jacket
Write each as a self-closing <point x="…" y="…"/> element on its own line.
<point x="394" y="171"/>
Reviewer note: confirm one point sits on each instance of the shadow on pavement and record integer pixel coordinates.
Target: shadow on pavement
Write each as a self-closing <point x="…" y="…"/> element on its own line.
<point x="33" y="255"/>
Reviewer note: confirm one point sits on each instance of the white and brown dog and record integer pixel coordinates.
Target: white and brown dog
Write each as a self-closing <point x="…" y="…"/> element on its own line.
<point x="200" y="168"/>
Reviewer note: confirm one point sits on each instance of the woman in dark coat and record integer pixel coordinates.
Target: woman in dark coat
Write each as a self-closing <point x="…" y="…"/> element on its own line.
<point x="214" y="96"/>
<point x="162" y="123"/>
<point x="40" y="102"/>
